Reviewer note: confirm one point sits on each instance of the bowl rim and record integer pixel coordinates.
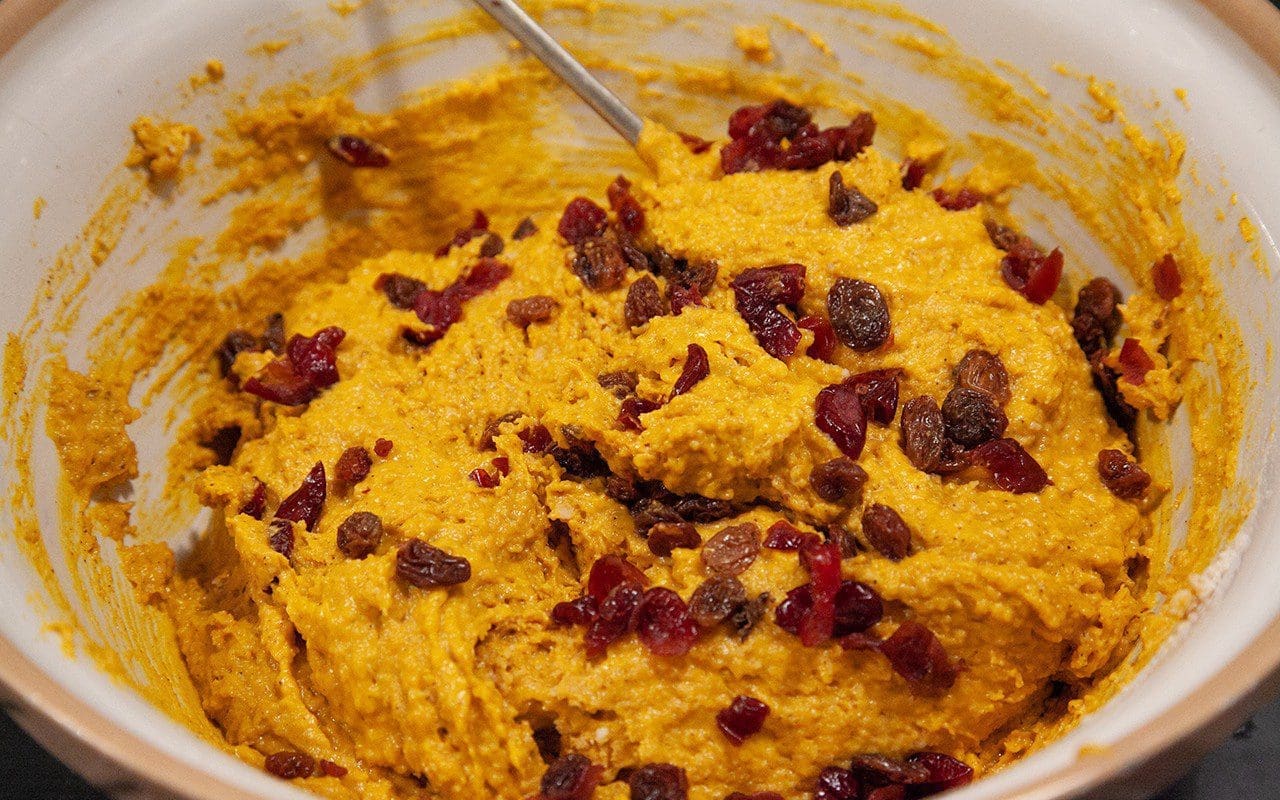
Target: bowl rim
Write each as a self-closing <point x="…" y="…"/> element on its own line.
<point x="1148" y="757"/>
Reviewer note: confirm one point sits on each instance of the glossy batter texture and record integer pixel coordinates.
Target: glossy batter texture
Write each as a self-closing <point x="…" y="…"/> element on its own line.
<point x="437" y="692"/>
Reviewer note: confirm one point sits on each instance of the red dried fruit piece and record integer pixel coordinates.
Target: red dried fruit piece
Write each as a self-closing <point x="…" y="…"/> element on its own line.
<point x="382" y="447"/>
<point x="608" y="572"/>
<point x="846" y="205"/>
<point x="1134" y="362"/>
<point x="278" y="382"/>
<point x="913" y="171"/>
<point x="315" y="357"/>
<point x="924" y="439"/>
<point x="663" y="624"/>
<point x="331" y="770"/>
<point x="428" y="567"/>
<point x="482" y="478"/>
<point x="235" y="343"/>
<point x="696" y="368"/>
<point x="824" y="337"/>
<point x="782" y="535"/>
<point x="579" y="458"/>
<point x="744" y="717"/>
<point x="944" y="771"/>
<point x="859" y="314"/>
<point x="643" y="303"/>
<point x="971" y="417"/>
<point x="836" y="783"/>
<point x="877" y="770"/>
<point x="757" y="295"/>
<point x="353" y="465"/>
<point x="665" y="537"/>
<point x="858" y="607"/>
<point x="632" y="408"/>
<point x="1033" y="274"/>
<point x="502" y="465"/>
<point x="280" y="537"/>
<point x="529" y="310"/>
<point x="793" y="609"/>
<point x="1107" y="381"/>
<point x="1167" y="277"/>
<point x="917" y="655"/>
<point x="839" y="480"/>
<point x="877" y="392"/>
<point x="982" y="371"/>
<point x="401" y="290"/>
<point x="959" y="200"/>
<point x="479" y="227"/>
<point x="570" y="777"/>
<point x="822" y="560"/>
<point x="682" y="297"/>
<point x="256" y="505"/>
<point x="1122" y="475"/>
<point x="491" y="246"/>
<point x="696" y="144"/>
<point x="658" y="782"/>
<point x="524" y="230"/>
<point x="288" y="765"/>
<point x="536" y="439"/>
<point x="357" y="151"/>
<point x="306" y="503"/>
<point x="850" y="140"/>
<point x="549" y="742"/>
<point x="885" y="530"/>
<point x="579" y="611"/>
<point x="893" y="792"/>
<point x="485" y="276"/>
<point x="615" y="618"/>
<point x="625" y="206"/>
<point x="582" y="220"/>
<point x="859" y="641"/>
<point x="716" y="600"/>
<point x="733" y="550"/>
<point x="838" y="413"/>
<point x="1012" y="468"/>
<point x="620" y="384"/>
<point x="360" y="534"/>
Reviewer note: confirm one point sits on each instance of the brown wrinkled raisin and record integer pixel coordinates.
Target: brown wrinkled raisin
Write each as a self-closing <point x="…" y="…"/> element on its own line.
<point x="625" y="206"/>
<point x="924" y="438"/>
<point x="1105" y="379"/>
<point x="643" y="303"/>
<point x="886" y="532"/>
<point x="971" y="417"/>
<point x="746" y="617"/>
<point x="1008" y="239"/>
<point x="223" y="443"/>
<point x="548" y="740"/>
<point x="357" y="151"/>
<point x="984" y="372"/>
<point x="528" y="310"/>
<point x="859" y="314"/>
<point x="234" y="344"/>
<point x="353" y="465"/>
<point x="667" y="536"/>
<point x="621" y="488"/>
<point x="846" y="205"/>
<point x="427" y="567"/>
<point x="716" y="600"/>
<point x="491" y="246"/>
<point x="1122" y="475"/>
<point x="360" y="534"/>
<point x="401" y="290"/>
<point x="579" y="458"/>
<point x="600" y="263"/>
<point x="1097" y="315"/>
<point x="524" y="230"/>
<point x="620" y="384"/>
<point x="288" y="765"/>
<point x="280" y="537"/>
<point x="684" y="273"/>
<point x="838" y="480"/>
<point x="913" y="171"/>
<point x="495" y="427"/>
<point x="697" y="508"/>
<point x="273" y="337"/>
<point x="733" y="550"/>
<point x="844" y="538"/>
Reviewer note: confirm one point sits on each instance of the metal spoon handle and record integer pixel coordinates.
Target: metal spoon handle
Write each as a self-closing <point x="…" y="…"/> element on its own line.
<point x="519" y="24"/>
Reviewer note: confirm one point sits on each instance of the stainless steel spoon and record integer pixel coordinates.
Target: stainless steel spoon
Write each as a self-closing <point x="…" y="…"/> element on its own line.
<point x="519" y="24"/>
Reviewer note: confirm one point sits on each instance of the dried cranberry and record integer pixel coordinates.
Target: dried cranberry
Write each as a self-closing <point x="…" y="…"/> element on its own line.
<point x="528" y="310"/>
<point x="600" y="263"/>
<point x="382" y="447"/>
<point x="643" y="303"/>
<point x="838" y="480"/>
<point x="479" y="227"/>
<point x="620" y="384"/>
<point x="288" y="765"/>
<point x="357" y="151"/>
<point x="836" y="783"/>
<point x="885" y="530"/>
<point x="663" y="624"/>
<point x="483" y="478"/>
<point x="617" y="615"/>
<point x="793" y="609"/>
<point x="524" y="230"/>
<point x="502" y="465"/>
<point x="824" y="337"/>
<point x="353" y="465"/>
<point x="235" y="343"/>
<point x="360" y="534"/>
<point x="782" y="535"/>
<point x="877" y="770"/>
<point x="845" y="204"/>
<point x="696" y="144"/>
<point x="971" y="417"/>
<point x="913" y="171"/>
<point x="944" y="771"/>
<point x="758" y="293"/>
<point x="696" y="368"/>
<point x="859" y="314"/>
<point x="668" y="536"/>
<point x="1134" y="362"/>
<point x="280" y="537"/>
<point x="877" y="392"/>
<point x="401" y="290"/>
<point x="682" y="297"/>
<point x="306" y="503"/>
<point x="1033" y="274"/>
<point x="256" y="505"/>
<point x="571" y="777"/>
<point x="924" y="438"/>
<point x="1122" y="475"/>
<point x="331" y="770"/>
<point x="716" y="600"/>
<point x="223" y="444"/>
<point x="582" y="220"/>
<point x="1167" y="278"/>
<point x="625" y="206"/>
<point x="744" y="717"/>
<point x="858" y="607"/>
<point x="579" y="611"/>
<point x="822" y="560"/>
<point x="485" y="276"/>
<point x="427" y="567"/>
<point x="493" y="428"/>
<point x="838" y="413"/>
<point x="491" y="246"/>
<point x="982" y="371"/>
<point x="859" y="641"/>
<point x="632" y="408"/>
<point x="608" y="572"/>
<point x="733" y="550"/>
<point x="960" y="200"/>
<point x="780" y="117"/>
<point x="1012" y="468"/>
<point x="548" y="741"/>
<point x="314" y="357"/>
<point x="536" y="439"/>
<point x="917" y="655"/>
<point x="658" y="782"/>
